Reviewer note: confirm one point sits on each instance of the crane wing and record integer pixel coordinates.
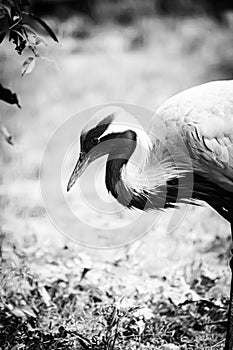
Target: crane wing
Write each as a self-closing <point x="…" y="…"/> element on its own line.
<point x="202" y="117"/>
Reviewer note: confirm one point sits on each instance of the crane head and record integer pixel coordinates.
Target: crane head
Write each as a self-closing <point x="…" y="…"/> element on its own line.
<point x="108" y="132"/>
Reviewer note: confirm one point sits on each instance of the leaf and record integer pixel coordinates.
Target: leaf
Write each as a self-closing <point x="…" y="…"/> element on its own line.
<point x="29" y="28"/>
<point x="8" y="96"/>
<point x="4" y="24"/>
<point x="25" y="3"/>
<point x="84" y="342"/>
<point x="7" y="10"/>
<point x="28" y="65"/>
<point x="17" y="40"/>
<point x="2" y="36"/>
<point x="28" y="311"/>
<point x="45" y="295"/>
<point x="10" y="3"/>
<point x="18" y="33"/>
<point x="18" y="312"/>
<point x="43" y="24"/>
<point x="84" y="272"/>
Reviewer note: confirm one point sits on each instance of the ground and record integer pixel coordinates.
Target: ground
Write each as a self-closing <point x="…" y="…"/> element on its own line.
<point x="166" y="288"/>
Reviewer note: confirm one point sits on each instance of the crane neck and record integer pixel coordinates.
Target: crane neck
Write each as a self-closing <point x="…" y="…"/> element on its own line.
<point x="159" y="197"/>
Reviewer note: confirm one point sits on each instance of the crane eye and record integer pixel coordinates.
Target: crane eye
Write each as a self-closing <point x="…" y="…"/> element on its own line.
<point x="94" y="141"/>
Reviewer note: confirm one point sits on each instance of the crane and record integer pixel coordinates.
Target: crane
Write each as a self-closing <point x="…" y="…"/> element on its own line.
<point x="186" y="155"/>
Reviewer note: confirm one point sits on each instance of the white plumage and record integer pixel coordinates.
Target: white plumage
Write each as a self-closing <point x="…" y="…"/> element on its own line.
<point x="206" y="109"/>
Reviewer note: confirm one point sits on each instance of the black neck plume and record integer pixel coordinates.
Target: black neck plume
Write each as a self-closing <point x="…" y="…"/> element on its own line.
<point x="123" y="146"/>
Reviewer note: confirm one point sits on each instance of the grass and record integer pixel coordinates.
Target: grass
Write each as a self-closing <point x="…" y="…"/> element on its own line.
<point x="61" y="299"/>
<point x="165" y="288"/>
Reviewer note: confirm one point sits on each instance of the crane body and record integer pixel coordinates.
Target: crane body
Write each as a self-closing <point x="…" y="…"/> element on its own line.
<point x="186" y="155"/>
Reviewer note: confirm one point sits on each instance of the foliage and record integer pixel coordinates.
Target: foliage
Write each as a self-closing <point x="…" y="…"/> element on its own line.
<point x="51" y="299"/>
<point x="15" y="22"/>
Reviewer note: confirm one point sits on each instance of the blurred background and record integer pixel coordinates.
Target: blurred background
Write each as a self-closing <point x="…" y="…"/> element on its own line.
<point x="110" y="51"/>
<point x="131" y="51"/>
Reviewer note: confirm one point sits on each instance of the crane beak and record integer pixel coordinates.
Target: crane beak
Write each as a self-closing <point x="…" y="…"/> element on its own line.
<point x="80" y="167"/>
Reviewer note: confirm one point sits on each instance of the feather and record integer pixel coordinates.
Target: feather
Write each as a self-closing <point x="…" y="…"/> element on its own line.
<point x="185" y="156"/>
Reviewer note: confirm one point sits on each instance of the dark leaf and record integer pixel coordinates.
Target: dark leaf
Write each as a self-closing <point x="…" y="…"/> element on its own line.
<point x="84" y="272"/>
<point x="8" y="96"/>
<point x="43" y="24"/>
<point x="9" y="3"/>
<point x="29" y="28"/>
<point x="2" y="36"/>
<point x="13" y="37"/>
<point x="19" y="34"/>
<point x="17" y="20"/>
<point x="25" y="3"/>
<point x="7" y="10"/>
<point x="84" y="342"/>
<point x="18" y="41"/>
<point x="4" y="23"/>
